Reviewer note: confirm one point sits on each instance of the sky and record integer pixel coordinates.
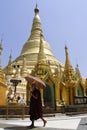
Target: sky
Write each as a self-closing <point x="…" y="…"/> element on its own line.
<point x="64" y="22"/>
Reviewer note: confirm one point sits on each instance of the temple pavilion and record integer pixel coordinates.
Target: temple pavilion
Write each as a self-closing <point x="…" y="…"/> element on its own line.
<point x="64" y="84"/>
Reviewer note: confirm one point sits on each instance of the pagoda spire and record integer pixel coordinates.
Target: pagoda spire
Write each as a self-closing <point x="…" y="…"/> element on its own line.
<point x="42" y="66"/>
<point x="68" y="70"/>
<point x="36" y="26"/>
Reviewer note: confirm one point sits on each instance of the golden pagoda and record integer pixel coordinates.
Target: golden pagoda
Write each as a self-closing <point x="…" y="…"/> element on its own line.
<point x="63" y="83"/>
<point x="31" y="48"/>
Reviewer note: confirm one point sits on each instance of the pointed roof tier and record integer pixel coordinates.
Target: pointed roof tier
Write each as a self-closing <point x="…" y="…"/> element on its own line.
<point x="30" y="49"/>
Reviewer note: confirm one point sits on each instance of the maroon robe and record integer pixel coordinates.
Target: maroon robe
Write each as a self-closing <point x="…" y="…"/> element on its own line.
<point x="35" y="105"/>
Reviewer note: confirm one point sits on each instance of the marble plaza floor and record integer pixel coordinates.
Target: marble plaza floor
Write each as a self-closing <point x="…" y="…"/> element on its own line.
<point x="59" y="122"/>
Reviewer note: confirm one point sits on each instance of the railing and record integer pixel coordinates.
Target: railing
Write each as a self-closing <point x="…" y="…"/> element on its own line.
<point x="11" y="110"/>
<point x="80" y="100"/>
<point x="75" y="109"/>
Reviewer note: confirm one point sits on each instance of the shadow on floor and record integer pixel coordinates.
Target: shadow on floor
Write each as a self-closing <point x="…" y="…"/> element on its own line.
<point x="19" y="128"/>
<point x="84" y="124"/>
<point x="28" y="128"/>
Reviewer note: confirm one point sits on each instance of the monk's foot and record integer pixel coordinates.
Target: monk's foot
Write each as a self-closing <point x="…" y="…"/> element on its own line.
<point x="44" y="123"/>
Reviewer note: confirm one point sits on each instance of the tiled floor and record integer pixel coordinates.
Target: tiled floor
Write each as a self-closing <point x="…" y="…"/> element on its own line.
<point x="59" y="122"/>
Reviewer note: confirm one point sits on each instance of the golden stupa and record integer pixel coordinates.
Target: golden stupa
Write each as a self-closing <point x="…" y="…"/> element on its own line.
<point x="63" y="83"/>
<point x="31" y="48"/>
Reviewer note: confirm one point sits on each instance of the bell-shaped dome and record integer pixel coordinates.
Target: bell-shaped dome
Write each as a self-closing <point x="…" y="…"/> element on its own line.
<point x="31" y="48"/>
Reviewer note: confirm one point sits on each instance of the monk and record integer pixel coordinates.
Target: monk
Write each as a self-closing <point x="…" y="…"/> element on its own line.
<point x="36" y="106"/>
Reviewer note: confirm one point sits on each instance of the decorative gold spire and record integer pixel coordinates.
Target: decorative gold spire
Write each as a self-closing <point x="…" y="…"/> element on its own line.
<point x="41" y="54"/>
<point x="68" y="71"/>
<point x="42" y="66"/>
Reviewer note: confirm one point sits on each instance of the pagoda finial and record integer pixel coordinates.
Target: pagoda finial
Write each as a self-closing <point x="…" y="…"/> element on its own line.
<point x="66" y="47"/>
<point x="67" y="56"/>
<point x="36" y="10"/>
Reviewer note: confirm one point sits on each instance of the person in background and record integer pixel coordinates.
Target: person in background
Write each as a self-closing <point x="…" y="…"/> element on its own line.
<point x="18" y="99"/>
<point x="36" y="106"/>
<point x="21" y="101"/>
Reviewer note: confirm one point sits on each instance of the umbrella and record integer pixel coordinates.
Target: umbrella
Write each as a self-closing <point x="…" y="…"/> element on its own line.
<point x="39" y="83"/>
